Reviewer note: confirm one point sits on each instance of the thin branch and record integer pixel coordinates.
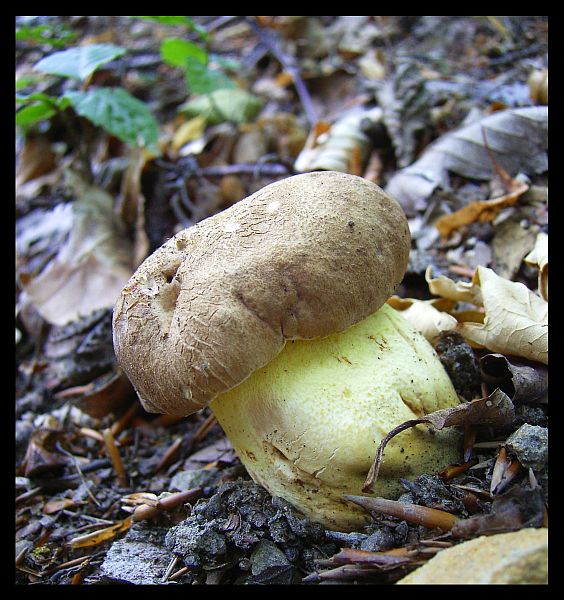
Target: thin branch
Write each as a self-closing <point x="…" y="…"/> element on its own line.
<point x="271" y="42"/>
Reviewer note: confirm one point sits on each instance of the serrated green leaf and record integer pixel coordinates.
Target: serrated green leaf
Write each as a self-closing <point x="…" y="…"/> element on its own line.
<point x="79" y="62"/>
<point x="119" y="113"/>
<point x="177" y="52"/>
<point x="33" y="113"/>
<point x="234" y="105"/>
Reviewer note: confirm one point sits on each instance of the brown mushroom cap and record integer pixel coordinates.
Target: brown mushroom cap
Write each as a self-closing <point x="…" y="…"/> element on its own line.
<point x="305" y="257"/>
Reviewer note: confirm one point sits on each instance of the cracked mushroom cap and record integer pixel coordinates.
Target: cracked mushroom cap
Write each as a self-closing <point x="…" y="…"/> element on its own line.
<point x="302" y="258"/>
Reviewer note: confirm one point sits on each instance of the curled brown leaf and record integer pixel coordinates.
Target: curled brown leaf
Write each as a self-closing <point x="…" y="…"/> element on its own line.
<point x="495" y="409"/>
<point x="523" y="382"/>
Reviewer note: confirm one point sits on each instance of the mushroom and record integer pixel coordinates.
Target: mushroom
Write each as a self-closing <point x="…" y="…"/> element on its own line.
<point x="273" y="313"/>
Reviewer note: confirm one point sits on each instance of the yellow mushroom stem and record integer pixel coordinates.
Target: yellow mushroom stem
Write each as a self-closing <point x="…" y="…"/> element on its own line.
<point x="308" y="425"/>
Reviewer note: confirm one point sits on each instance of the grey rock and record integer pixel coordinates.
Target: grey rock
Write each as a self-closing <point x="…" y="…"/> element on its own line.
<point x="187" y="480"/>
<point x="269" y="565"/>
<point x="382" y="539"/>
<point x="530" y="444"/>
<point x="197" y="543"/>
<point x="137" y="559"/>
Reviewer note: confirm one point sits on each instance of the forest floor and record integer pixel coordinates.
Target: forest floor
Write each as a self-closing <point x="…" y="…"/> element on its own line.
<point x="172" y="120"/>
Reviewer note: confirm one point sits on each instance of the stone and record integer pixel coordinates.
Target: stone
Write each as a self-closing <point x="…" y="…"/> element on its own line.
<point x="518" y="557"/>
<point x="530" y="444"/>
<point x="187" y="480"/>
<point x="140" y="558"/>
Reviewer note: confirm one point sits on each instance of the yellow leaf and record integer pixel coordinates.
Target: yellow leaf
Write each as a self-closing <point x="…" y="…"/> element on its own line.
<point x="54" y="506"/>
<point x="427" y="316"/>
<point x="189" y="131"/>
<point x="102" y="535"/>
<point x="459" y="291"/>
<point x="515" y="320"/>
<point x="538" y="257"/>
<point x="481" y="210"/>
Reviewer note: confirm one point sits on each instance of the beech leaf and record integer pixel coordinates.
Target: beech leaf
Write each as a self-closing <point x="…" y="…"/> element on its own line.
<point x="515" y="319"/>
<point x="517" y="139"/>
<point x="538" y="257"/>
<point x="524" y="383"/>
<point x="91" y="267"/>
<point x="480" y="210"/>
<point x="428" y="316"/>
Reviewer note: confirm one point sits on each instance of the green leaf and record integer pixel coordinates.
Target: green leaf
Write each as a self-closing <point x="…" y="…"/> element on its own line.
<point x="203" y="80"/>
<point x="56" y="36"/>
<point x="234" y="105"/>
<point x="226" y="63"/>
<point x="79" y="62"/>
<point x="35" y="97"/>
<point x="33" y="113"/>
<point x="177" y="52"/>
<point x="27" y="81"/>
<point x="119" y="113"/>
<point x="200" y="79"/>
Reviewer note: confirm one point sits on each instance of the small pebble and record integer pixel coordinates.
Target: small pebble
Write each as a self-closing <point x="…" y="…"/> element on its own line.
<point x="530" y="444"/>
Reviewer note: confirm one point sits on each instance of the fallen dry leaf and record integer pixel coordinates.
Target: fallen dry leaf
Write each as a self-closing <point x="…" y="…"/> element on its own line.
<point x="504" y="472"/>
<point x="516" y="140"/>
<point x="91" y="267"/>
<point x="36" y="159"/>
<point x="515" y="320"/>
<point x="523" y="383"/>
<point x="458" y="291"/>
<point x="495" y="409"/>
<point x="428" y="316"/>
<point x="343" y="147"/>
<point x="538" y="257"/>
<point x="131" y="204"/>
<point x="510" y="244"/>
<point x="102" y="535"/>
<point x="515" y="509"/>
<point x="481" y="210"/>
<point x="54" y="506"/>
<point x="188" y="132"/>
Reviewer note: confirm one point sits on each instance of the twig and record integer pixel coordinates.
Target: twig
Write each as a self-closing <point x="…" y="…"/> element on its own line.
<point x="173" y="562"/>
<point x="26" y="495"/>
<point x="204" y="428"/>
<point x="125" y="419"/>
<point x="115" y="457"/>
<point x="92" y="433"/>
<point x="375" y="467"/>
<point x="79" y="471"/>
<point x="271" y="42"/>
<point x="169" y="454"/>
<point x="178" y="574"/>
<point x="268" y="169"/>
<point x="70" y="563"/>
